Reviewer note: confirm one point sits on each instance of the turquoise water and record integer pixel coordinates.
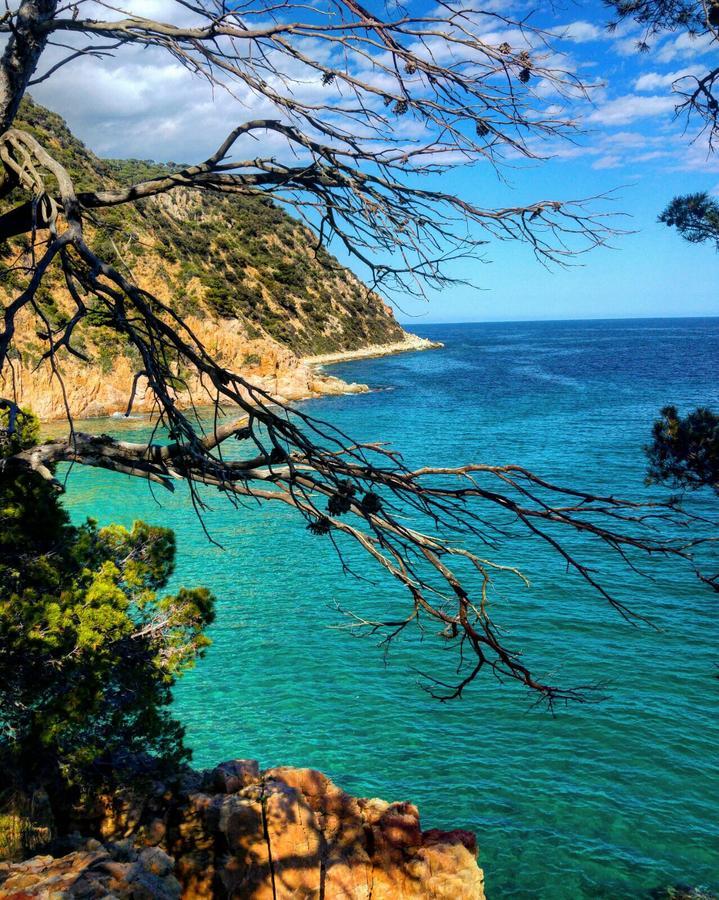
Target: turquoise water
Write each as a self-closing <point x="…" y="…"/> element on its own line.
<point x="606" y="800"/>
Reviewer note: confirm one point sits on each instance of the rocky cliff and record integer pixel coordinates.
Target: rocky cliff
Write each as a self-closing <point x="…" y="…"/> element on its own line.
<point x="236" y="832"/>
<point x="247" y="277"/>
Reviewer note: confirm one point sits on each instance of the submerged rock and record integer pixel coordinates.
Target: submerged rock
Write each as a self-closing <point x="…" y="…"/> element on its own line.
<point x="680" y="892"/>
<point x="236" y="832"/>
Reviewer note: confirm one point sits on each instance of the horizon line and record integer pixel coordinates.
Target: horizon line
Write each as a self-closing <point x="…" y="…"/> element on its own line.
<point x="569" y="319"/>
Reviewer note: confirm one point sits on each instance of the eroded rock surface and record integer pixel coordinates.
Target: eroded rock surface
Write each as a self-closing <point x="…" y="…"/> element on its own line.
<point x="236" y="832"/>
<point x="93" y="872"/>
<point x="89" y="391"/>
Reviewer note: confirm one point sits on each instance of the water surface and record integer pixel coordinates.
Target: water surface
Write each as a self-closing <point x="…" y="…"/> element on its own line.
<point x="606" y="800"/>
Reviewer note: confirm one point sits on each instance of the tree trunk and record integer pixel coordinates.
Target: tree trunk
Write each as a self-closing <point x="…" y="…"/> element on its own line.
<point x="21" y="55"/>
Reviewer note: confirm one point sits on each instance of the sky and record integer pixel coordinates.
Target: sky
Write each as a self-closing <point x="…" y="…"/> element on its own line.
<point x="142" y="105"/>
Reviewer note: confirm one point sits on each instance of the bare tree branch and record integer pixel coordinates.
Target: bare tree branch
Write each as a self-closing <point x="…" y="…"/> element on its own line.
<point x="353" y="176"/>
<point x="698" y="95"/>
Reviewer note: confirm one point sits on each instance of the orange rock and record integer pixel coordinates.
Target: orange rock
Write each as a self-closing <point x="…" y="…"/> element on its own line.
<point x="282" y="834"/>
<point x="91" y="392"/>
<point x="230" y="777"/>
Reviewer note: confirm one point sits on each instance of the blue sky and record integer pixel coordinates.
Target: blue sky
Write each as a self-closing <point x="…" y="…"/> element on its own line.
<point x="631" y="144"/>
<point x="649" y="271"/>
<point x="139" y="106"/>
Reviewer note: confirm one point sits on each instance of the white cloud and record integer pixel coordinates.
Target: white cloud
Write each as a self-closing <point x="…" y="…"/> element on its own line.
<point x="580" y="32"/>
<point x="652" y="81"/>
<point x="685" y="46"/>
<point x="608" y="162"/>
<point x="628" y="108"/>
<point x="696" y="158"/>
<point x="652" y="155"/>
<point x="630" y="40"/>
<point x="159" y="10"/>
<point x="628" y="140"/>
<point x="143" y="106"/>
<point x="627" y="46"/>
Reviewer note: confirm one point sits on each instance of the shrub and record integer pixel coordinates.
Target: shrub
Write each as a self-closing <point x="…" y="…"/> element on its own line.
<point x="89" y="650"/>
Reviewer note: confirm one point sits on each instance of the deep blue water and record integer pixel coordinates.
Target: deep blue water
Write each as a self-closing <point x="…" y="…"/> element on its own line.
<point x="606" y="800"/>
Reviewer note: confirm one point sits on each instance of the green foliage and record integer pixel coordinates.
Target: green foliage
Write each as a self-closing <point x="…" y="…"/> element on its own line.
<point x="89" y="649"/>
<point x="99" y="316"/>
<point x="19" y="430"/>
<point x="664" y="15"/>
<point x="130" y="171"/>
<point x="685" y="451"/>
<point x="695" y="216"/>
<point x="245" y="256"/>
<point x="231" y="300"/>
<point x="292" y="274"/>
<point x="106" y="356"/>
<point x="25" y="823"/>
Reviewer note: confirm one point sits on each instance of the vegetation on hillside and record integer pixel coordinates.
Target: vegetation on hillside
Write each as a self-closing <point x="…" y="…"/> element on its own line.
<point x="225" y="257"/>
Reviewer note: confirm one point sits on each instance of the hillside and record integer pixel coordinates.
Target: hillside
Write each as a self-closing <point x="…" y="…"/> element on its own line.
<point x="245" y="275"/>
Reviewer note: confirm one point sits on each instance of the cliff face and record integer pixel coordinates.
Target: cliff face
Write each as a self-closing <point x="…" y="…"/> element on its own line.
<point x="246" y="276"/>
<point x="103" y="389"/>
<point x="236" y="832"/>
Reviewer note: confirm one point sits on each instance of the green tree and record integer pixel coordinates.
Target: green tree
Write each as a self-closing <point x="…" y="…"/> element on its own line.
<point x="696" y="91"/>
<point x="89" y="650"/>
<point x="695" y="216"/>
<point x="447" y="89"/>
<point x="685" y="451"/>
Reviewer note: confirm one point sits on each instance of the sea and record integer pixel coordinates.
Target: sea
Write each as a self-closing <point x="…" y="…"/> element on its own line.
<point x="612" y="799"/>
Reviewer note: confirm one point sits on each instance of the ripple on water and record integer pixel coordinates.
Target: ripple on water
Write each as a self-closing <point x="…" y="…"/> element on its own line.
<point x="601" y="801"/>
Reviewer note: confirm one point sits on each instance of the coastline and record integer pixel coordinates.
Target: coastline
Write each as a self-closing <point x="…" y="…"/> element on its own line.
<point x="411" y="342"/>
<point x="288" y="378"/>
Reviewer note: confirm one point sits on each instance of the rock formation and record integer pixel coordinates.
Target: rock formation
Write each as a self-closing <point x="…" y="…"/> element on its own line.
<point x="236" y="832"/>
<point x="93" y="872"/>
<point x="91" y="392"/>
<point x="247" y="279"/>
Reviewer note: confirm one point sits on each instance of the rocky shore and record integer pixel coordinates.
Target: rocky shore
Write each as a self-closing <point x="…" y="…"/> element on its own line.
<point x="409" y="343"/>
<point x="91" y="392"/>
<point x="237" y="832"/>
